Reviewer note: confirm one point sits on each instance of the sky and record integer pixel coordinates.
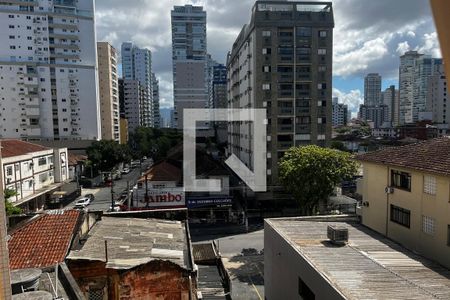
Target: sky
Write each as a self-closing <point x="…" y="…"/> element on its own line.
<point x="369" y="36"/>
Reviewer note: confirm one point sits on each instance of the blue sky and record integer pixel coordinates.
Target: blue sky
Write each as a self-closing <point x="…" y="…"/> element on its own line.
<point x="369" y="36"/>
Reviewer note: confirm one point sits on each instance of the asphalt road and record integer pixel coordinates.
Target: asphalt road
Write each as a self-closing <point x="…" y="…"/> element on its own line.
<point x="243" y="257"/>
<point x="103" y="194"/>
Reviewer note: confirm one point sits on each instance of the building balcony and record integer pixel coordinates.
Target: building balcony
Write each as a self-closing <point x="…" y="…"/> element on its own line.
<point x="71" y="46"/>
<point x="285" y="93"/>
<point x="64" y="36"/>
<point x="285" y="111"/>
<point x="285" y="128"/>
<point x="20" y="2"/>
<point x="284" y="145"/>
<point x="65" y="55"/>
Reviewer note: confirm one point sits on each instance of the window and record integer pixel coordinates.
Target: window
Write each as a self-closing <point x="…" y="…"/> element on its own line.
<point x="304" y="31"/>
<point x="322" y="33"/>
<point x="322" y="68"/>
<point x="401" y="180"/>
<point x="322" y="51"/>
<point x="304" y="291"/>
<point x="266" y="33"/>
<point x="266" y="69"/>
<point x="266" y="86"/>
<point x="266" y="51"/>
<point x="429" y="185"/>
<point x="400" y="216"/>
<point x="321" y="120"/>
<point x="12" y="47"/>
<point x="428" y="225"/>
<point x="321" y="86"/>
<point x="9" y="171"/>
<point x="42" y="161"/>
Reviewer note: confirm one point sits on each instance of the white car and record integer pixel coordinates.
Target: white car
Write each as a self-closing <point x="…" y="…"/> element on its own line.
<point x="83" y="202"/>
<point x="126" y="170"/>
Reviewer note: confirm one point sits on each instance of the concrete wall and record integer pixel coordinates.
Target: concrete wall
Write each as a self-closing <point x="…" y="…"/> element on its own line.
<point x="420" y="204"/>
<point x="283" y="266"/>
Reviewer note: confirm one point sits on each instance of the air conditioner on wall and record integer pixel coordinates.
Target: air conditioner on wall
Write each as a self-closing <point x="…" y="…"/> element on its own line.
<point x="389" y="190"/>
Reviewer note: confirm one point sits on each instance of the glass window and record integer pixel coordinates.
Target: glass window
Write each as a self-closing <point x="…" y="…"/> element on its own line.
<point x="400" y="216"/>
<point x="322" y="33"/>
<point x="42" y="161"/>
<point x="429" y="185"/>
<point x="9" y="171"/>
<point x="304" y="31"/>
<point x="266" y="33"/>
<point x="322" y="51"/>
<point x="401" y="180"/>
<point x="428" y="225"/>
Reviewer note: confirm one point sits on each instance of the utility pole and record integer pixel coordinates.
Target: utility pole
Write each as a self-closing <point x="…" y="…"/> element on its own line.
<point x="112" y="191"/>
<point x="128" y="195"/>
<point x="5" y="283"/>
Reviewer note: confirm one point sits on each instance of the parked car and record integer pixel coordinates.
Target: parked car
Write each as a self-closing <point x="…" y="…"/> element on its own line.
<point x="126" y="170"/>
<point x="144" y="158"/>
<point x="90" y="196"/>
<point x="116" y="207"/>
<point x="83" y="202"/>
<point x="135" y="163"/>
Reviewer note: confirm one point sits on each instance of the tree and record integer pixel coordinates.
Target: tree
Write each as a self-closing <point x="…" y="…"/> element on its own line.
<point x="153" y="142"/>
<point x="9" y="207"/>
<point x="105" y="155"/>
<point x="310" y="173"/>
<point x="338" y="145"/>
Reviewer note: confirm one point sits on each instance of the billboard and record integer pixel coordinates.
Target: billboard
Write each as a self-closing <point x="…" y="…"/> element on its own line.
<point x="159" y="198"/>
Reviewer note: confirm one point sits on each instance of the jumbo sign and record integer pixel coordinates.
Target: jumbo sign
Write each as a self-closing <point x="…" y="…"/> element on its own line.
<point x="161" y="198"/>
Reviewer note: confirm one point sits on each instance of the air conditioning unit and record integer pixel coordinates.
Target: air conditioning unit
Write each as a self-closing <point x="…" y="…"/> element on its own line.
<point x="337" y="235"/>
<point x="389" y="190"/>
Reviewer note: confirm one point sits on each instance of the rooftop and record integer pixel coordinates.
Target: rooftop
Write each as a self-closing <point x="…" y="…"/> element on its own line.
<point x="11" y="148"/>
<point x="369" y="266"/>
<point x="132" y="242"/>
<point x="44" y="241"/>
<point x="163" y="171"/>
<point x="428" y="156"/>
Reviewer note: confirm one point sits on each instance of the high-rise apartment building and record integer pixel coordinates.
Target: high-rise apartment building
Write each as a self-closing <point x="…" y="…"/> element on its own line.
<point x="414" y="73"/>
<point x="133" y="98"/>
<point x="109" y="91"/>
<point x="372" y="89"/>
<point x="155" y="108"/>
<point x="48" y="60"/>
<point x="137" y="65"/>
<point x="377" y="116"/>
<point x="340" y="113"/>
<point x="437" y="97"/>
<point x="190" y="60"/>
<point x="282" y="62"/>
<point x="391" y="100"/>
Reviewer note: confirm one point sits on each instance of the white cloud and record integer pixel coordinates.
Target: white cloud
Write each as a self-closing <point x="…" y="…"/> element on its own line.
<point x="411" y="34"/>
<point x="430" y="45"/>
<point x="359" y="59"/>
<point x="403" y="47"/>
<point x="353" y="99"/>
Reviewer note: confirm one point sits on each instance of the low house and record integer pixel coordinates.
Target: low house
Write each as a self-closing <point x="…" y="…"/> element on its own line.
<point x="44" y="240"/>
<point x="302" y="261"/>
<point x="32" y="171"/>
<point x="130" y="258"/>
<point x="406" y="196"/>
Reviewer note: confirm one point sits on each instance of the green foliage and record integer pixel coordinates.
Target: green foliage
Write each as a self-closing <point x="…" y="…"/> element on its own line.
<point x="153" y="142"/>
<point x="338" y="145"/>
<point x="9" y="207"/>
<point x="105" y="155"/>
<point x="310" y="173"/>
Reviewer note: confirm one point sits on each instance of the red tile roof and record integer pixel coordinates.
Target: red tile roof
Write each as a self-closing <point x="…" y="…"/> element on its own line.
<point x="431" y="156"/>
<point x="74" y="159"/>
<point x="12" y="148"/>
<point x="163" y="171"/>
<point x="43" y="242"/>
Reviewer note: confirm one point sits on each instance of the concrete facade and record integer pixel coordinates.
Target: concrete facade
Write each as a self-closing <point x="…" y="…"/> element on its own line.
<point x="437" y="97"/>
<point x="48" y="64"/>
<point x="155" y="109"/>
<point x="282" y="61"/>
<point x="340" y="113"/>
<point x="391" y="99"/>
<point x="109" y="91"/>
<point x="190" y="60"/>
<point x="137" y="65"/>
<point x="133" y="97"/>
<point x="372" y="89"/>
<point x="376" y="116"/>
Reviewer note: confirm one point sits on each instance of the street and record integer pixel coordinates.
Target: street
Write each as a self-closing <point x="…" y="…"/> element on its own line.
<point x="243" y="257"/>
<point x="103" y="194"/>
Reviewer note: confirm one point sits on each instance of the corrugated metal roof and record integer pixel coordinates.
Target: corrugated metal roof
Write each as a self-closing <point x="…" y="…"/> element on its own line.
<point x="132" y="242"/>
<point x="370" y="266"/>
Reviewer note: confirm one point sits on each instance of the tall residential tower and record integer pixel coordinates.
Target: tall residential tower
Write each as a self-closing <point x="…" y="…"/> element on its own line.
<point x="372" y="89"/>
<point x="190" y="60"/>
<point x="109" y="91"/>
<point x="137" y="65"/>
<point x="282" y="62"/>
<point x="48" y="61"/>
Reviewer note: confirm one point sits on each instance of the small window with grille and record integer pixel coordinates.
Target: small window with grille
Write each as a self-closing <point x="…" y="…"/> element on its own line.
<point x="429" y="185"/>
<point x="428" y="225"/>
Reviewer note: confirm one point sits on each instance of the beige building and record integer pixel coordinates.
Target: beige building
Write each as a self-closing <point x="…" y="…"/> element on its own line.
<point x="406" y="196"/>
<point x="123" y="131"/>
<point x="109" y="93"/>
<point x="302" y="261"/>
